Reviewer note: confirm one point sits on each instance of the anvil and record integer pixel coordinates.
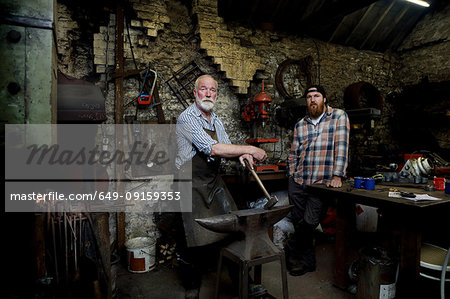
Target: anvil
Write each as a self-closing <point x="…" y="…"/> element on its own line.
<point x="253" y="224"/>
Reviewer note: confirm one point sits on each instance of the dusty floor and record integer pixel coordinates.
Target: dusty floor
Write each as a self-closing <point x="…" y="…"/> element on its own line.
<point x="163" y="281"/>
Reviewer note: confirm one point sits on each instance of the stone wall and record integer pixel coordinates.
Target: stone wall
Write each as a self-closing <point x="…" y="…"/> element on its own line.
<point x="426" y="51"/>
<point x="425" y="57"/>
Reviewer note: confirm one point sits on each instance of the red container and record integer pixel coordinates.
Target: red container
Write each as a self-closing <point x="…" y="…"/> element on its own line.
<point x="439" y="183"/>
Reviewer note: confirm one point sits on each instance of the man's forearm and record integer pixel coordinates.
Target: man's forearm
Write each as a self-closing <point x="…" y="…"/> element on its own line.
<point x="341" y="146"/>
<point x="224" y="150"/>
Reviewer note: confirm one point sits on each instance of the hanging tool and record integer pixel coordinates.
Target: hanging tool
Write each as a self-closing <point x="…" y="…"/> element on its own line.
<point x="271" y="200"/>
<point x="143" y="98"/>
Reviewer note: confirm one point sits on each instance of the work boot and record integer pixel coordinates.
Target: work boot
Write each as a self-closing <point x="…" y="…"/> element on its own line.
<point x="301" y="268"/>
<point x="292" y="262"/>
<point x="256" y="290"/>
<point x="192" y="293"/>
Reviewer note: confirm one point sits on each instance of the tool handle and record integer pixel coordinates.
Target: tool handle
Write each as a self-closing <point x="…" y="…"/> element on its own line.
<point x="257" y="179"/>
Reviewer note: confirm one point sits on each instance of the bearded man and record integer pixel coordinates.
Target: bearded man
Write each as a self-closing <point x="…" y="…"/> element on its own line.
<point x="202" y="140"/>
<point x="318" y="155"/>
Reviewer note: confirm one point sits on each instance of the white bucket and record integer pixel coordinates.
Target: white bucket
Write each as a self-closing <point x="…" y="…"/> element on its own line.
<point x="140" y="254"/>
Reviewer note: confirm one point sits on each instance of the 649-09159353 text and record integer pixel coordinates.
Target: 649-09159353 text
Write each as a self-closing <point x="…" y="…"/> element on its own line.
<point x="102" y="196"/>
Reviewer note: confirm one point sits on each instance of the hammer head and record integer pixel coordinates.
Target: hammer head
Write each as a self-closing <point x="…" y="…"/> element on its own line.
<point x="271" y="202"/>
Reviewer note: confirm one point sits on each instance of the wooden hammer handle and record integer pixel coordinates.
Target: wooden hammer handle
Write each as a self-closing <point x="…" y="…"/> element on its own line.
<point x="257" y="179"/>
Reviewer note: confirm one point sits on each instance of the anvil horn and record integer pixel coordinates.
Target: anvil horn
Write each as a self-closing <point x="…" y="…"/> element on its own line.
<point x="220" y="224"/>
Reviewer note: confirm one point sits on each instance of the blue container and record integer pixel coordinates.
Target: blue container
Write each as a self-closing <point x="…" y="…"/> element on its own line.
<point x="369" y="184"/>
<point x="359" y="182"/>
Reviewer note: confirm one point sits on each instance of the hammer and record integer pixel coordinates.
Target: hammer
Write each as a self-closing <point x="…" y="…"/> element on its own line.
<point x="271" y="200"/>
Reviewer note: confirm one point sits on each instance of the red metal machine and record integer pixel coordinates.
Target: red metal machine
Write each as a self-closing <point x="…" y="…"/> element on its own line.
<point x="258" y="108"/>
<point x="257" y="111"/>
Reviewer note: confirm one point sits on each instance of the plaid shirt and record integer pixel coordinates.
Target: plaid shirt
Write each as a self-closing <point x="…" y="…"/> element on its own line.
<point x="319" y="152"/>
<point x="191" y="135"/>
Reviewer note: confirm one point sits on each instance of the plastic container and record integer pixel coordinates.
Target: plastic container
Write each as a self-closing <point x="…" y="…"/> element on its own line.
<point x="439" y="183"/>
<point x="140" y="254"/>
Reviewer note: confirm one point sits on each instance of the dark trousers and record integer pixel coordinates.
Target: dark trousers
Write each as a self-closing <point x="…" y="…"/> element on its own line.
<point x="195" y="261"/>
<point x="306" y="215"/>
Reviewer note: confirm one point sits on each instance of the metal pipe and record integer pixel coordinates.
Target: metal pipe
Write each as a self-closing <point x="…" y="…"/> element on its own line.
<point x="66" y="250"/>
<point x="54" y="248"/>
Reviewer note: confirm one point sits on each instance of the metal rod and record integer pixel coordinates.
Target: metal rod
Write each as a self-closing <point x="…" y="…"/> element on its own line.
<point x="66" y="249"/>
<point x="55" y="253"/>
<point x="80" y="237"/>
<point x="75" y="241"/>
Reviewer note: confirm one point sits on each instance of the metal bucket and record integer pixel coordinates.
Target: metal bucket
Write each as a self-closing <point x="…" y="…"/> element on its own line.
<point x="377" y="275"/>
<point x="140" y="254"/>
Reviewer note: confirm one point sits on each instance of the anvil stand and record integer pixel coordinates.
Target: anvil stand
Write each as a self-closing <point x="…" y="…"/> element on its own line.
<point x="255" y="249"/>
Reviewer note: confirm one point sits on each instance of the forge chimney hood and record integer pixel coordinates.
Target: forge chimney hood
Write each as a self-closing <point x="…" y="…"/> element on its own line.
<point x="79" y="101"/>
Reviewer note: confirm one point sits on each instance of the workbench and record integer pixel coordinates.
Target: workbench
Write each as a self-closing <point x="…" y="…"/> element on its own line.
<point x="405" y="217"/>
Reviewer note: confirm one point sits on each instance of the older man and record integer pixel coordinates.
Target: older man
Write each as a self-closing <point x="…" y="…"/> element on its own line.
<point x="202" y="139"/>
<point x="318" y="155"/>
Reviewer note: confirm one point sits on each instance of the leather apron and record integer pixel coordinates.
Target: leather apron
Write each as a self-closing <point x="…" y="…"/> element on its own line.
<point x="210" y="197"/>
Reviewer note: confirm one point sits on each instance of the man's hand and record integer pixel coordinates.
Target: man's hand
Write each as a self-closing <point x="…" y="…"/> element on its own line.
<point x="259" y="154"/>
<point x="336" y="182"/>
<point x="247" y="157"/>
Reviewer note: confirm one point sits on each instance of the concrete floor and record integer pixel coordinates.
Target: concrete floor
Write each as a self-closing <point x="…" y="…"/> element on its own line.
<point x="164" y="282"/>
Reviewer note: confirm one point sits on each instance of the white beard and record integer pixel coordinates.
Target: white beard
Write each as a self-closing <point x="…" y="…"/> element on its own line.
<point x="206" y="106"/>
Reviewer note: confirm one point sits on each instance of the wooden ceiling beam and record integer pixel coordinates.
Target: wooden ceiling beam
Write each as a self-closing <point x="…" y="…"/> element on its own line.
<point x="337" y="9"/>
<point x="322" y="22"/>
<point x="408" y="27"/>
<point x="344" y="19"/>
<point x="391" y="27"/>
<point x="366" y="14"/>
<point x="380" y="19"/>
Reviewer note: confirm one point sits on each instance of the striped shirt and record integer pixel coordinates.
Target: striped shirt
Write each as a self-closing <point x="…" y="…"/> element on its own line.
<point x="320" y="151"/>
<point x="191" y="136"/>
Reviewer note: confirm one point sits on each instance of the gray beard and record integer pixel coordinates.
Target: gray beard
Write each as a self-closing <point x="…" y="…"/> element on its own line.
<point x="205" y="106"/>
